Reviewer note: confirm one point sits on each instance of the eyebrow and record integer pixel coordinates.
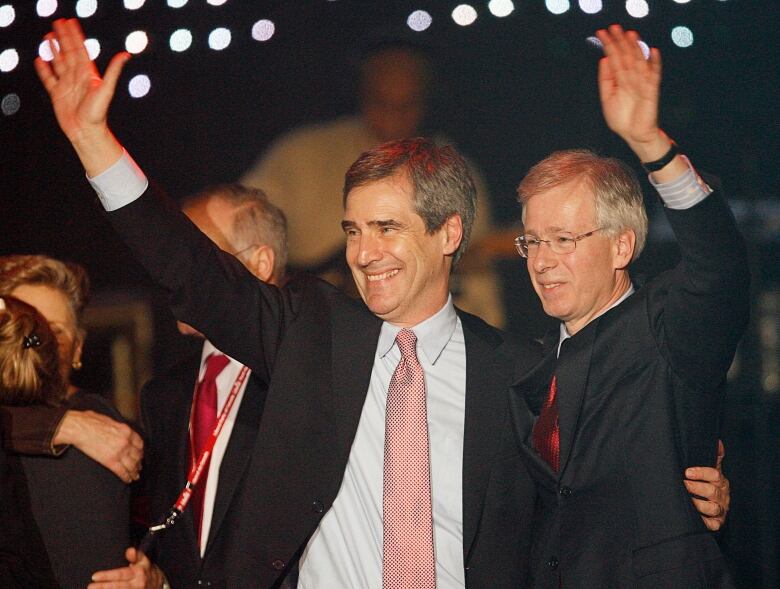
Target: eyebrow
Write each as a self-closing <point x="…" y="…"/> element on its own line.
<point x="381" y="223"/>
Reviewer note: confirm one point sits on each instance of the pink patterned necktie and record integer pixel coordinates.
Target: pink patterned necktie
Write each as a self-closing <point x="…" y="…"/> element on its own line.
<point x="408" y="560"/>
<point x="204" y="418"/>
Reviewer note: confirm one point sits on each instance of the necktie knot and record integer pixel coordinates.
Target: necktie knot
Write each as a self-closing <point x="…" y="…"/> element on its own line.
<point x="407" y="343"/>
<point x="215" y="364"/>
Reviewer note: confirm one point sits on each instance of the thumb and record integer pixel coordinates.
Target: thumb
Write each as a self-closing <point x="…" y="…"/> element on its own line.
<point x="131" y="554"/>
<point x="113" y="71"/>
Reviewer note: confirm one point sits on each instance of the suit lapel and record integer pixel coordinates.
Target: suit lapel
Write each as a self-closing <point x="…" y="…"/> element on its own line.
<point x="237" y="453"/>
<point x="572" y="373"/>
<point x="487" y="380"/>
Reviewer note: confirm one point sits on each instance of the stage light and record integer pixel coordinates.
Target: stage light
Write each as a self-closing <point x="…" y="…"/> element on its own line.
<point x="645" y="49"/>
<point x="180" y="40"/>
<point x="682" y="36"/>
<point x="219" y="38"/>
<point x="9" y="59"/>
<point x="134" y="4"/>
<point x="464" y="15"/>
<point x="93" y="48"/>
<point x="419" y="20"/>
<point x="263" y="30"/>
<point x="637" y="8"/>
<point x="557" y="6"/>
<point x="590" y="6"/>
<point x="501" y="8"/>
<point x="136" y="42"/>
<point x="176" y="3"/>
<point x="139" y="86"/>
<point x="216" y="2"/>
<point x="10" y="104"/>
<point x="44" y="50"/>
<point x="46" y="8"/>
<point x="86" y="8"/>
<point x="7" y="15"/>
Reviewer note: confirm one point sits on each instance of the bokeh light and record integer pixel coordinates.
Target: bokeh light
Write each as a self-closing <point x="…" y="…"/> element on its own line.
<point x="464" y="14"/>
<point x="501" y="8"/>
<point x="180" y="40"/>
<point x="86" y="8"/>
<point x="263" y="30"/>
<point x="44" y="50"/>
<point x="177" y="3"/>
<point x="134" y="4"/>
<point x="557" y="6"/>
<point x="7" y="15"/>
<point x="10" y="104"/>
<point x="645" y="49"/>
<point x="139" y="86"/>
<point x="216" y="2"/>
<point x="419" y="20"/>
<point x="136" y="42"/>
<point x="682" y="36"/>
<point x="637" y="8"/>
<point x="219" y="38"/>
<point x="46" y="8"/>
<point x="9" y="59"/>
<point x="590" y="6"/>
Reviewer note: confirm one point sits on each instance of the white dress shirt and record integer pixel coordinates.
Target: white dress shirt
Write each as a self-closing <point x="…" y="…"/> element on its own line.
<point x="346" y="549"/>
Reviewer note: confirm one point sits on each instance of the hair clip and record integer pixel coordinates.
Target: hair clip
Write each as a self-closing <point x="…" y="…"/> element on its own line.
<point x="31" y="341"/>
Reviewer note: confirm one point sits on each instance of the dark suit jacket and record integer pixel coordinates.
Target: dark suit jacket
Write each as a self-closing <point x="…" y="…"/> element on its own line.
<point x="639" y="392"/>
<point x="165" y="410"/>
<point x="314" y="348"/>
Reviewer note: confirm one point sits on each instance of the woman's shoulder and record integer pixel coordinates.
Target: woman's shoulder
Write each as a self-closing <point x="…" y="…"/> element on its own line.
<point x="84" y="401"/>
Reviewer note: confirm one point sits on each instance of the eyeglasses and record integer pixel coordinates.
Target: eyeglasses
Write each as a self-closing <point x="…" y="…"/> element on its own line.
<point x="561" y="242"/>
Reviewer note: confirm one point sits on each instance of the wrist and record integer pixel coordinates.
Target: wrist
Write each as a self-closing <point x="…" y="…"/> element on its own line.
<point x="68" y="430"/>
<point x="652" y="149"/>
<point x="97" y="149"/>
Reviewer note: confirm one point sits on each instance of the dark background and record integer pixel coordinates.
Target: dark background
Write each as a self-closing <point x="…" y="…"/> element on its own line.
<point x="510" y="90"/>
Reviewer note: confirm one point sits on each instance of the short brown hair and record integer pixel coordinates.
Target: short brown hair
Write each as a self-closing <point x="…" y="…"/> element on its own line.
<point x="39" y="270"/>
<point x="29" y="365"/>
<point x="439" y="175"/>
<point x="616" y="190"/>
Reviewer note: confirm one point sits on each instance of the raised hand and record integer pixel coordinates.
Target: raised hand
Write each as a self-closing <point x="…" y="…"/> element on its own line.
<point x="79" y="95"/>
<point x="629" y="87"/>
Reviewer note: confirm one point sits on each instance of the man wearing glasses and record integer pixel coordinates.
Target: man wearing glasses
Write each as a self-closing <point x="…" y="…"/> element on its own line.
<point x="628" y="394"/>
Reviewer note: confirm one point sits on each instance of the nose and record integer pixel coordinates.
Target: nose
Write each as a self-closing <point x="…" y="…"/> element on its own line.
<point x="370" y="249"/>
<point x="544" y="259"/>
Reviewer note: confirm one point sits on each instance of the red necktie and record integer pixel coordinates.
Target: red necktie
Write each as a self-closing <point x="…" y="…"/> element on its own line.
<point x="204" y="419"/>
<point x="546" y="433"/>
<point x="407" y="559"/>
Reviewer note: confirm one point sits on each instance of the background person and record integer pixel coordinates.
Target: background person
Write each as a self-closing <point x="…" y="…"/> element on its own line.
<point x="80" y="508"/>
<point x="60" y="290"/>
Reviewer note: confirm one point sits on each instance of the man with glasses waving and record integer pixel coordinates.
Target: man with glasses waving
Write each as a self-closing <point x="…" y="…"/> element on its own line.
<point x="628" y="394"/>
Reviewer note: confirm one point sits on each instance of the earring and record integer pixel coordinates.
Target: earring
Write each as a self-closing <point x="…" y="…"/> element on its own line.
<point x="76" y="365"/>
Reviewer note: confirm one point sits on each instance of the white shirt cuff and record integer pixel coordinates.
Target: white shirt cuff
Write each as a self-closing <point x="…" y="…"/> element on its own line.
<point x="685" y="191"/>
<point x="120" y="184"/>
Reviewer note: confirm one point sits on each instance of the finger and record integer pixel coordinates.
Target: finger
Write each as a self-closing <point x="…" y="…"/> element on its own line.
<point x="71" y="39"/>
<point x="655" y="63"/>
<point x="704" y="490"/>
<point x="708" y="508"/>
<point x="110" y="79"/>
<point x="110" y="585"/>
<point x="635" y="49"/>
<point x="131" y="554"/>
<point x="45" y="74"/>
<point x="703" y="473"/>
<point x="57" y="61"/>
<point x="135" y="440"/>
<point x="713" y="524"/>
<point x="123" y="574"/>
<point x="606" y="79"/>
<point x="620" y="47"/>
<point x="721" y="454"/>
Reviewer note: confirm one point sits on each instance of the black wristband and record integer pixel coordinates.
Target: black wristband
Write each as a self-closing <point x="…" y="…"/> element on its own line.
<point x="651" y="167"/>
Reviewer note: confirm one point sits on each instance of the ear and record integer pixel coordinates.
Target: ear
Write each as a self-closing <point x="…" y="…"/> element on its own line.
<point x="78" y="346"/>
<point x="261" y="262"/>
<point x="452" y="234"/>
<point x="623" y="249"/>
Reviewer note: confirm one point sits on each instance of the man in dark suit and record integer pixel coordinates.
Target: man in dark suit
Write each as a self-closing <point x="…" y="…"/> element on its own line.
<point x="321" y="490"/>
<point x="628" y="394"/>
<point x="242" y="222"/>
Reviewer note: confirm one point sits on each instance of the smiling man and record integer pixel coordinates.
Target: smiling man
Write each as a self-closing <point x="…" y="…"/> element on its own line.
<point x="629" y="392"/>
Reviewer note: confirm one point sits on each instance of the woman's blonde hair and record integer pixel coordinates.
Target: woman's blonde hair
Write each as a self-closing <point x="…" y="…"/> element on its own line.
<point x="29" y="365"/>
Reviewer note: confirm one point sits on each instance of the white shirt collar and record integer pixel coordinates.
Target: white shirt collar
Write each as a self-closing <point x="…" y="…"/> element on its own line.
<point x="433" y="334"/>
<point x="564" y="333"/>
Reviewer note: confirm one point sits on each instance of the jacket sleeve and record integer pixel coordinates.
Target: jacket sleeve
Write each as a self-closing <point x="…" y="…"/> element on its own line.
<point x="31" y="430"/>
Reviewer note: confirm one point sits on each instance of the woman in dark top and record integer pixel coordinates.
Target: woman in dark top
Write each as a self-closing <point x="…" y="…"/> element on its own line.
<point x="80" y="508"/>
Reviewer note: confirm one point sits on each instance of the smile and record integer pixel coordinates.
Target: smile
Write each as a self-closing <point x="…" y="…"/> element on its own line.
<point x="383" y="276"/>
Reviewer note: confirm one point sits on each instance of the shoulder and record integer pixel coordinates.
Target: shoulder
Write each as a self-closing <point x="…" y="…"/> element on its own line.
<point x="519" y="347"/>
<point x="317" y="135"/>
<point x="83" y="401"/>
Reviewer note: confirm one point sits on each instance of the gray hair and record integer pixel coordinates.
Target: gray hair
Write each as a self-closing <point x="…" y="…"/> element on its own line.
<point x="616" y="190"/>
<point x="256" y="220"/>
<point x="440" y="179"/>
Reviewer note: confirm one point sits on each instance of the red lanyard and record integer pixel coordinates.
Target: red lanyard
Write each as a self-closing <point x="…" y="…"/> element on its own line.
<point x="197" y="466"/>
<point x="196" y="470"/>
